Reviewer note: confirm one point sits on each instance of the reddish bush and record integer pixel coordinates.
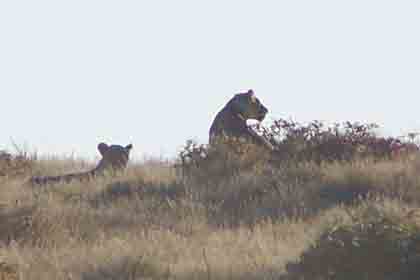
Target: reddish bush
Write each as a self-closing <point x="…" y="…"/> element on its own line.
<point x="292" y="141"/>
<point x="319" y="142"/>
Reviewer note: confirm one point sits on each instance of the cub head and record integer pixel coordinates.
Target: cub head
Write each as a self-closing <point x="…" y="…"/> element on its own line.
<point x="114" y="157"/>
<point x="248" y="106"/>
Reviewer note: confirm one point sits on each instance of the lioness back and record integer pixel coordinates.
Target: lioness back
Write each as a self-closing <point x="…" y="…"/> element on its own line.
<point x="114" y="158"/>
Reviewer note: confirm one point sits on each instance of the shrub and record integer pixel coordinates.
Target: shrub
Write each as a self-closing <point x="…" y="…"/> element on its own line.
<point x="227" y="159"/>
<point x="293" y="142"/>
<point x="375" y="244"/>
<point x="317" y="141"/>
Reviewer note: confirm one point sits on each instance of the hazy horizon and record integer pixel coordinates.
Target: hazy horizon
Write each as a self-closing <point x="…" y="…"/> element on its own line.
<point x="155" y="73"/>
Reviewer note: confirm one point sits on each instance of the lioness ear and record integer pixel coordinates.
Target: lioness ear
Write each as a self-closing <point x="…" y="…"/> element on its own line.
<point x="102" y="147"/>
<point x="252" y="95"/>
<point x="129" y="147"/>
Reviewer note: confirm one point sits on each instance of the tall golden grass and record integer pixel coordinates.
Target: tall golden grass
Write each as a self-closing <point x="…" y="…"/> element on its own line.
<point x="335" y="220"/>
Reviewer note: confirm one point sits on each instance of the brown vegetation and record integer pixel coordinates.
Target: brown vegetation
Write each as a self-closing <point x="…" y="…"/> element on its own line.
<point x="224" y="218"/>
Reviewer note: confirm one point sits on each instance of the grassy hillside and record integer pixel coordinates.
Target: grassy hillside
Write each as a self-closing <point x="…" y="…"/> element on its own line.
<point x="335" y="220"/>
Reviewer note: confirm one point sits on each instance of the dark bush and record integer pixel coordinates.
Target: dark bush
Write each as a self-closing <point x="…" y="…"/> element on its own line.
<point x="379" y="247"/>
<point x="227" y="159"/>
<point x="316" y="141"/>
<point x="293" y="143"/>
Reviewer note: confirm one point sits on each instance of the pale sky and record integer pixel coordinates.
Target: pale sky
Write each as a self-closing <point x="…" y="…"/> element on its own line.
<point x="155" y="73"/>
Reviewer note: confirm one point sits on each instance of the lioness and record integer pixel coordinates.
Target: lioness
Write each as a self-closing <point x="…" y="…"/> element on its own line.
<point x="230" y="122"/>
<point x="114" y="158"/>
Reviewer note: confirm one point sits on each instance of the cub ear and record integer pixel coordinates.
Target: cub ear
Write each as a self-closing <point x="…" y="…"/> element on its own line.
<point x="102" y="147"/>
<point x="129" y="147"/>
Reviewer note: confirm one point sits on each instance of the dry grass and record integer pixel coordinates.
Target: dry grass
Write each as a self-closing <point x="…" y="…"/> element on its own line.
<point x="270" y="223"/>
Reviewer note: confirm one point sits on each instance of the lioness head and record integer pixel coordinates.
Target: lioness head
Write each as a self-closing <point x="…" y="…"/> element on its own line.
<point x="114" y="157"/>
<point x="248" y="106"/>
